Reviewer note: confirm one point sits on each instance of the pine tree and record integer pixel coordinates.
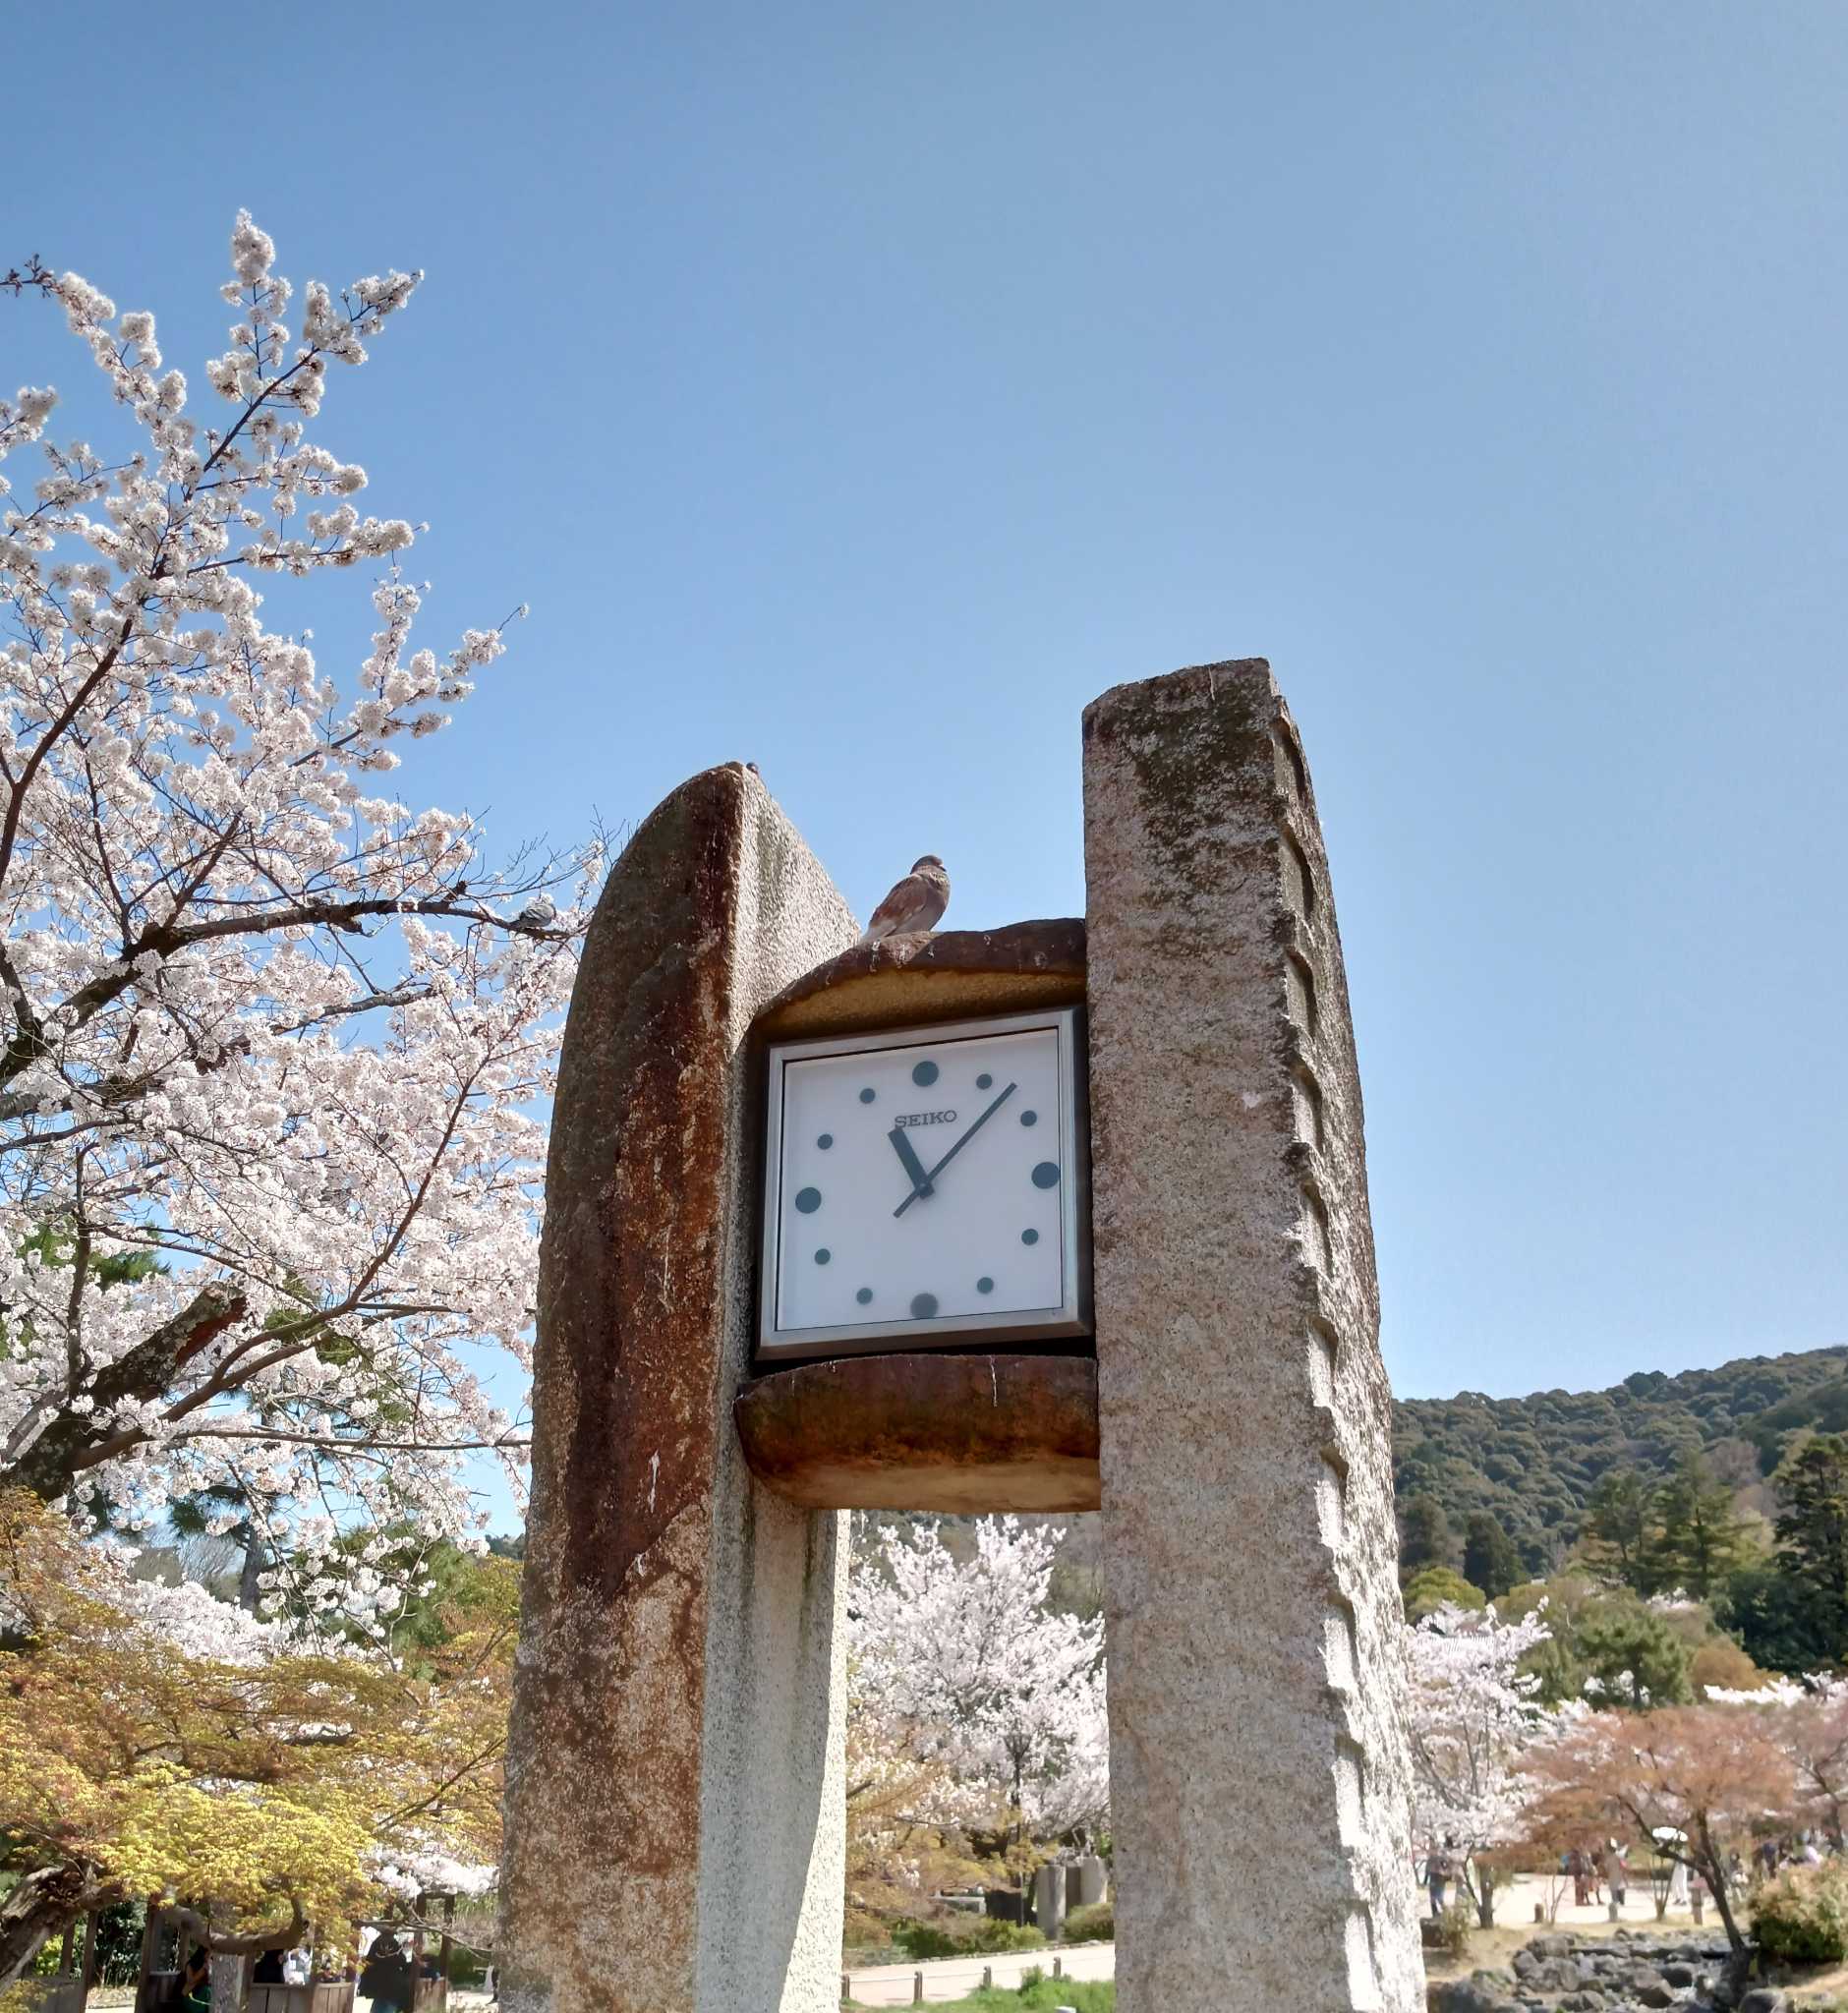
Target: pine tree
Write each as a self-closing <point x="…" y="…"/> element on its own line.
<point x="1812" y="1531"/>
<point x="1424" y="1536"/>
<point x="1702" y="1540"/>
<point x="1619" y="1519"/>
<point x="1636" y="1659"/>
<point x="1489" y="1558"/>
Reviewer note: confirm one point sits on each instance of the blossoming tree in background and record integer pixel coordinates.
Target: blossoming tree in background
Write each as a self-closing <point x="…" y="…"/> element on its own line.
<point x="271" y="1037"/>
<point x="1806" y="1720"/>
<point x="1687" y="1782"/>
<point x="971" y="1691"/>
<point x="1473" y="1720"/>
<point x="161" y="1746"/>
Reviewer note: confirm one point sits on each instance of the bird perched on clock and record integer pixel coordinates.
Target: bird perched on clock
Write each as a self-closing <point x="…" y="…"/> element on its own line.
<point x="915" y="903"/>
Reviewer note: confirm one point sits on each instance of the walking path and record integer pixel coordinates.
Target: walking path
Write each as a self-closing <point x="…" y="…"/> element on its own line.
<point x="1515" y="1904"/>
<point x="954" y="1978"/>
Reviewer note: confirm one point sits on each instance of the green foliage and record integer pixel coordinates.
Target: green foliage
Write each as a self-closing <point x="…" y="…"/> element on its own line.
<point x="1700" y="1540"/>
<point x="1618" y="1517"/>
<point x="1601" y="1630"/>
<point x="1536" y="1462"/>
<point x="1801" y="1916"/>
<point x="1040" y="1995"/>
<point x="1774" y="1619"/>
<point x="1424" y="1536"/>
<point x="1094" y="1925"/>
<point x="1436" y="1585"/>
<point x="1455" y="1926"/>
<point x="983" y="1936"/>
<point x="1812" y="1531"/>
<point x="1489" y="1559"/>
<point x="1635" y="1655"/>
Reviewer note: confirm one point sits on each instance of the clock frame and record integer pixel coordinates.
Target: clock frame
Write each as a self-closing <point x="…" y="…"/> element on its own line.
<point x="1069" y="1317"/>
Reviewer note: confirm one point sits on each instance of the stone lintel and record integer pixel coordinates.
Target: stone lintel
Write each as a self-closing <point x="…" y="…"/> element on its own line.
<point x="954" y="1435"/>
<point x="952" y="975"/>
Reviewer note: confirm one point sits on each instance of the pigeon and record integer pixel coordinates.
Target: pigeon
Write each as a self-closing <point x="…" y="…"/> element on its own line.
<point x="537" y="913"/>
<point x="915" y="905"/>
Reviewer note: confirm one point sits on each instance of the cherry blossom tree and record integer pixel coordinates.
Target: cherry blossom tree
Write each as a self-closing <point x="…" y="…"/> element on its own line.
<point x="1474" y="1719"/>
<point x="1806" y="1720"/>
<point x="272" y="1039"/>
<point x="963" y="1672"/>
<point x="1687" y="1782"/>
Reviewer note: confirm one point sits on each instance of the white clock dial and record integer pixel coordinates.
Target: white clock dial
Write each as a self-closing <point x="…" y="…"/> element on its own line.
<point x="923" y="1182"/>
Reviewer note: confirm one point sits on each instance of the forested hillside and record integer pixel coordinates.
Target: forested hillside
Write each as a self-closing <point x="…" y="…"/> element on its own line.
<point x="1533" y="1462"/>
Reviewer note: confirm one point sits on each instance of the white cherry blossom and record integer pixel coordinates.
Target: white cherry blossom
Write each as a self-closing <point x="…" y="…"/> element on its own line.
<point x="964" y="1663"/>
<point x="271" y="1056"/>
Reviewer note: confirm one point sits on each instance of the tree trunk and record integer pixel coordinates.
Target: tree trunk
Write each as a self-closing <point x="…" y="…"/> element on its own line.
<point x="249" y="1592"/>
<point x="1712" y="1869"/>
<point x="1481" y="1891"/>
<point x="39" y="1906"/>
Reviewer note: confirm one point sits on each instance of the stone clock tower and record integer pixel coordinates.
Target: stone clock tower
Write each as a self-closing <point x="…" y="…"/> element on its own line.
<point x="1201" y="1362"/>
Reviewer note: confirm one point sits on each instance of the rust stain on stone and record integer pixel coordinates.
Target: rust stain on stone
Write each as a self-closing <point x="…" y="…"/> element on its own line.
<point x="625" y="1382"/>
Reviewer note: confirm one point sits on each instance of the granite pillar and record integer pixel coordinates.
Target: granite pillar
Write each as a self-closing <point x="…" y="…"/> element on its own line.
<point x="674" y="1816"/>
<point x="1259" y="1764"/>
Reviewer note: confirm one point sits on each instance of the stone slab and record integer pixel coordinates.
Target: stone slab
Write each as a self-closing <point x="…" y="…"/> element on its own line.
<point x="953" y="975"/>
<point x="1260" y="1775"/>
<point x="674" y="1815"/>
<point x="953" y="1435"/>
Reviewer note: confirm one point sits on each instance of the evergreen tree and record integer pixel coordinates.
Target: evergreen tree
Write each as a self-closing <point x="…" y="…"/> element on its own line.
<point x="1435" y="1587"/>
<point x="1489" y="1558"/>
<point x="1619" y="1520"/>
<point x="1812" y="1533"/>
<point x="1635" y="1657"/>
<point x="1776" y="1621"/>
<point x="1424" y="1536"/>
<point x="1702" y="1540"/>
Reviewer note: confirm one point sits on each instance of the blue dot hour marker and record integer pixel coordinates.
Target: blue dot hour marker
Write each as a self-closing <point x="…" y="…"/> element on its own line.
<point x="809" y="1200"/>
<point x="825" y="1141"/>
<point x="865" y="1296"/>
<point x="1045" y="1175"/>
<point x="1029" y="1236"/>
<point x="923" y="1306"/>
<point x="984" y="1286"/>
<point x="985" y="1081"/>
<point x="866" y="1096"/>
<point x="1029" y="1117"/>
<point x="823" y="1255"/>
<point x="925" y="1072"/>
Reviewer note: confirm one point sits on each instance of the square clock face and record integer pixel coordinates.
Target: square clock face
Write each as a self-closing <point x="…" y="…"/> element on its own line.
<point x="926" y="1187"/>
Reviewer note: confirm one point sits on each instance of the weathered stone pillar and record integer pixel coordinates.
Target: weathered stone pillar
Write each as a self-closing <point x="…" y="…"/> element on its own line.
<point x="674" y="1828"/>
<point x="1258" y="1770"/>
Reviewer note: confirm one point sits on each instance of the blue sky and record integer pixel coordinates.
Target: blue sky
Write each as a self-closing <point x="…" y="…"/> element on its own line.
<point x="860" y="390"/>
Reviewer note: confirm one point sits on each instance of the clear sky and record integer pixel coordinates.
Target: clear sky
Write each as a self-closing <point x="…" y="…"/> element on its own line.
<point x="860" y="388"/>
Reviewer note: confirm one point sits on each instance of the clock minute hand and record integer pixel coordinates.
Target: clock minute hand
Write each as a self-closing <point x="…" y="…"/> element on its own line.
<point x="913" y="1167"/>
<point x="957" y="1148"/>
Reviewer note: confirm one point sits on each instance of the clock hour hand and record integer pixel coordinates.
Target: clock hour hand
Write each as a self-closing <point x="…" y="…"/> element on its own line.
<point x="913" y="1167"/>
<point x="957" y="1148"/>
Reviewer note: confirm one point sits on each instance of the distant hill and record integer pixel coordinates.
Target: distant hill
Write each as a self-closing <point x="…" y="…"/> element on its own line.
<point x="1534" y="1461"/>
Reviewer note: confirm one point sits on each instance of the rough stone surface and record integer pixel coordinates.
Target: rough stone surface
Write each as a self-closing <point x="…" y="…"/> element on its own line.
<point x="954" y="975"/>
<point x="1625" y="1973"/>
<point x="1258" y="1747"/>
<point x="674" y="1829"/>
<point x="952" y="1434"/>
